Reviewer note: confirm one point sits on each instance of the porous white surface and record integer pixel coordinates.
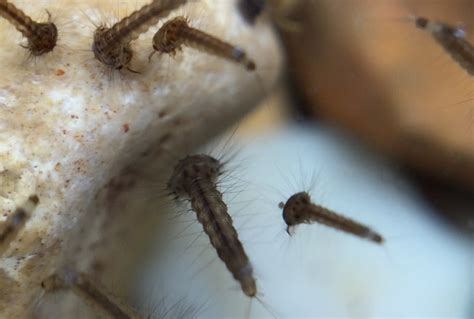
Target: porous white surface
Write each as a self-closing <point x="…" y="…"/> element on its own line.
<point x="80" y="136"/>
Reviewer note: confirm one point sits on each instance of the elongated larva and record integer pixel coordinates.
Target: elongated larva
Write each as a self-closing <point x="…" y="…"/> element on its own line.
<point x="15" y="222"/>
<point x="299" y="209"/>
<point x="42" y="37"/>
<point x="453" y="41"/>
<point x="112" y="47"/>
<point x="177" y="32"/>
<point x="86" y="289"/>
<point x="194" y="178"/>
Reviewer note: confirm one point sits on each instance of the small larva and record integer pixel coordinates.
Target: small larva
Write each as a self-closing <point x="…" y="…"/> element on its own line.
<point x="177" y="32"/>
<point x="111" y="46"/>
<point x="453" y="41"/>
<point x="299" y="209"/>
<point x="42" y="37"/>
<point x="16" y="221"/>
<point x="96" y="297"/>
<point x="194" y="178"/>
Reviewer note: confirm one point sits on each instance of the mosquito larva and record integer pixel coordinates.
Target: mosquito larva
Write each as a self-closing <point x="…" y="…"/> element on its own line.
<point x="453" y="41"/>
<point x="42" y="37"/>
<point x="299" y="209"/>
<point x="16" y="221"/>
<point x="177" y="32"/>
<point x="96" y="297"/>
<point x="194" y="178"/>
<point x="112" y="46"/>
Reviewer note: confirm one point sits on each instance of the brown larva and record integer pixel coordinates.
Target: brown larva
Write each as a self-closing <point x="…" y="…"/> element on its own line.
<point x="194" y="178"/>
<point x="299" y="209"/>
<point x="112" y="46"/>
<point x="42" y="37"/>
<point x="453" y="41"/>
<point x="177" y="32"/>
<point x="11" y="227"/>
<point x="96" y="297"/>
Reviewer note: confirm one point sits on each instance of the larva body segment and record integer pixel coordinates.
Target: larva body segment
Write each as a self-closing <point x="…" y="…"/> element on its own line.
<point x="16" y="221"/>
<point x="299" y="209"/>
<point x="177" y="32"/>
<point x="42" y="37"/>
<point x="111" y="46"/>
<point x="452" y="40"/>
<point x="97" y="298"/>
<point x="194" y="178"/>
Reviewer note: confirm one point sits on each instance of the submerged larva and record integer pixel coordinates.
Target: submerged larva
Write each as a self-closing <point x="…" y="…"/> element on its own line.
<point x="41" y="37"/>
<point x="16" y="221"/>
<point x="453" y="41"/>
<point x="299" y="209"/>
<point x="194" y="178"/>
<point x="177" y="32"/>
<point x="89" y="291"/>
<point x="112" y="46"/>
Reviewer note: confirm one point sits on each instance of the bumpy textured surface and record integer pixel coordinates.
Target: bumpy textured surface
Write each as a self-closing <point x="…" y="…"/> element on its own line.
<point x="82" y="138"/>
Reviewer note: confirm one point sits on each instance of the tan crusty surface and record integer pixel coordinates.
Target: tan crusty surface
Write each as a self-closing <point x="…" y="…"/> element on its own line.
<point x="80" y="137"/>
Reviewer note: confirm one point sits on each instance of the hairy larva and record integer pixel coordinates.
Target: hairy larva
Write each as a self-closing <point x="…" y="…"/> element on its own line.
<point x="194" y="178"/>
<point x="89" y="291"/>
<point x="65" y="107"/>
<point x="16" y="221"/>
<point x="177" y="32"/>
<point x="300" y="210"/>
<point x="112" y="45"/>
<point x="452" y="39"/>
<point x="41" y="36"/>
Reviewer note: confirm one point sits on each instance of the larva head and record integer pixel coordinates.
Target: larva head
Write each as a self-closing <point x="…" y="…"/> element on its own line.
<point x="294" y="210"/>
<point x="44" y="40"/>
<point x="167" y="39"/>
<point x="191" y="169"/>
<point x="115" y="57"/>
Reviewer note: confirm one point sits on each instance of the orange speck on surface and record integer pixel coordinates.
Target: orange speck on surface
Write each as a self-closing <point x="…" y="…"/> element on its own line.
<point x="126" y="128"/>
<point x="59" y="72"/>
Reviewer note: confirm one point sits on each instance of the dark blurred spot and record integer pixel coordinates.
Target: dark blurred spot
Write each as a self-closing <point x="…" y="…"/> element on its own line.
<point x="251" y="9"/>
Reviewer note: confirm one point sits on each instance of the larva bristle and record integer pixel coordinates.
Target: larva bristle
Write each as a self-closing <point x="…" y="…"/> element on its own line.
<point x="111" y="46"/>
<point x="177" y="32"/>
<point x="299" y="209"/>
<point x="194" y="178"/>
<point x="42" y="37"/>
<point x="96" y="297"/>
<point x="452" y="40"/>
<point x="16" y="222"/>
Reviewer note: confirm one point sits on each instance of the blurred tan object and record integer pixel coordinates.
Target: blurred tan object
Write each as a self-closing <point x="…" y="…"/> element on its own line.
<point x="365" y="66"/>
